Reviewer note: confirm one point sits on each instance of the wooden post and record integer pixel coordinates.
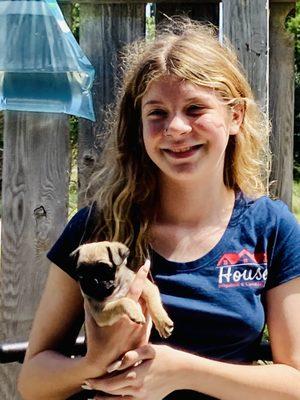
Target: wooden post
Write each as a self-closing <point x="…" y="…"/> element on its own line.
<point x="104" y="30"/>
<point x="245" y="24"/>
<point x="34" y="212"/>
<point x="35" y="188"/>
<point x="281" y="101"/>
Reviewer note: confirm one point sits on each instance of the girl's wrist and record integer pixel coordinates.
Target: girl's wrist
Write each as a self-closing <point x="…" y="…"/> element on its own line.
<point x="92" y="368"/>
<point x="178" y="368"/>
<point x="187" y="370"/>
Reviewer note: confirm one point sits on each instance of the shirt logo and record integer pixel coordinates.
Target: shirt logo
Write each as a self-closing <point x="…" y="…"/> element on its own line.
<point x="242" y="269"/>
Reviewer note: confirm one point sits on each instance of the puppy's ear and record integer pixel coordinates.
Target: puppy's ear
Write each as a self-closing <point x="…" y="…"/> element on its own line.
<point x="75" y="253"/>
<point x="117" y="253"/>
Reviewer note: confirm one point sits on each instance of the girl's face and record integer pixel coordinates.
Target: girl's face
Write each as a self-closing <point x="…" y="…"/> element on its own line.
<point x="186" y="129"/>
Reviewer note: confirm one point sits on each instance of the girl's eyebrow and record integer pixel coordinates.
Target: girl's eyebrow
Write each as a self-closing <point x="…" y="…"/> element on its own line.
<point x="152" y="102"/>
<point x="198" y="99"/>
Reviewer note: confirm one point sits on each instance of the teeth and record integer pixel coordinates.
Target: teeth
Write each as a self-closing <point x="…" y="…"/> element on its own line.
<point x="181" y="150"/>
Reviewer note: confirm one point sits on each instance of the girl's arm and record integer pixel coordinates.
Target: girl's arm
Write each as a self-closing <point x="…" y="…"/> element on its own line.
<point x="165" y="369"/>
<point x="47" y="373"/>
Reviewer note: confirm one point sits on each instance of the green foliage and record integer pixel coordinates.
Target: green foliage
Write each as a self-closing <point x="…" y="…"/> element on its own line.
<point x="296" y="199"/>
<point x="75" y="20"/>
<point x="73" y="185"/>
<point x="73" y="121"/>
<point x="150" y="28"/>
<point x="293" y="26"/>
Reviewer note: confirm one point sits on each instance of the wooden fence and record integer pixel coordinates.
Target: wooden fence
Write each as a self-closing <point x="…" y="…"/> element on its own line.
<point x="36" y="164"/>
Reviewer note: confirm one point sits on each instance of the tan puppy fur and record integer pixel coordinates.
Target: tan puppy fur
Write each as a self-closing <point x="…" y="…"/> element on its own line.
<point x="109" y="260"/>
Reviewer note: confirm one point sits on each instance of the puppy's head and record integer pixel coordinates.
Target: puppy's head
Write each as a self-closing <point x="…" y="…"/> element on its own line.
<point x="97" y="267"/>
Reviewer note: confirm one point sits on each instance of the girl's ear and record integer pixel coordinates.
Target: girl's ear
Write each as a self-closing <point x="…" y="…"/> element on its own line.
<point x="237" y="117"/>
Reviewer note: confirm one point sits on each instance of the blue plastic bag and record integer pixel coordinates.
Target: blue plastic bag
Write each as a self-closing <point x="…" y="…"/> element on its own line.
<point x="42" y="67"/>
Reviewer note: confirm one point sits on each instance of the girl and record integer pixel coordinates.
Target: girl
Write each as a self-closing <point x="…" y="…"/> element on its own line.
<point x="183" y="182"/>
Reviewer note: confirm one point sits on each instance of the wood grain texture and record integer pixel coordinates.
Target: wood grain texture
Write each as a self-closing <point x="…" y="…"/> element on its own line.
<point x="35" y="188"/>
<point x="198" y="11"/>
<point x="34" y="212"/>
<point x="245" y="24"/>
<point x="1" y="152"/>
<point x="281" y="102"/>
<point x="104" y="30"/>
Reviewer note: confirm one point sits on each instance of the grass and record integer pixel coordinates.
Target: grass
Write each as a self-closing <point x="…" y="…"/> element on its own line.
<point x="73" y="186"/>
<point x="296" y="199"/>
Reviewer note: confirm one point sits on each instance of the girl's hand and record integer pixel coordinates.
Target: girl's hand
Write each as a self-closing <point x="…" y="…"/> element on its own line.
<point x="106" y="344"/>
<point x="155" y="376"/>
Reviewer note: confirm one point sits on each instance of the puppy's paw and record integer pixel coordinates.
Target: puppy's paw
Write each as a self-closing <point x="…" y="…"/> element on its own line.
<point x="137" y="317"/>
<point x="164" y="326"/>
<point x="134" y="312"/>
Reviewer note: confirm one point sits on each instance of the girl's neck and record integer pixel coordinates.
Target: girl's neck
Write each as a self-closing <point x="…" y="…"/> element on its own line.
<point x="194" y="205"/>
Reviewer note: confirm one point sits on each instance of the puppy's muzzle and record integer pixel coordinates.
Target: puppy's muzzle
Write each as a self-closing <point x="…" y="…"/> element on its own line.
<point x="96" y="281"/>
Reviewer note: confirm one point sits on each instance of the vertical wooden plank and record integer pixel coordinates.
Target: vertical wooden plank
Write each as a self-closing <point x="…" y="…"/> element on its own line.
<point x="35" y="187"/>
<point x="198" y="11"/>
<point x="245" y="23"/>
<point x="1" y="159"/>
<point x="34" y="201"/>
<point x="104" y="30"/>
<point x="281" y="101"/>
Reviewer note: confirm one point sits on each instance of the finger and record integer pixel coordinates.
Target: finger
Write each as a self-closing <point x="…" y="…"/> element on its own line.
<point x="116" y="384"/>
<point x="137" y="285"/>
<point x="135" y="357"/>
<point x="132" y="357"/>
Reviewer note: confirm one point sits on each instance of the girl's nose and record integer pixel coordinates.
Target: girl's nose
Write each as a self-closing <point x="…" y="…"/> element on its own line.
<point x="178" y="125"/>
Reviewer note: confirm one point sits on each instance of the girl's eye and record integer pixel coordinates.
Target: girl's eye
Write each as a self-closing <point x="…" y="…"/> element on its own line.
<point x="194" y="109"/>
<point x="157" y="113"/>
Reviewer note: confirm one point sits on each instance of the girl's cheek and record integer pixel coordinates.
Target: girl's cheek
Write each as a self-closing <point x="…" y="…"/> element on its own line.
<point x="153" y="128"/>
<point x="210" y="123"/>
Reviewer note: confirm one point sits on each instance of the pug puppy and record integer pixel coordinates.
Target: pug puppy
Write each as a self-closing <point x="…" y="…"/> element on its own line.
<point x="105" y="279"/>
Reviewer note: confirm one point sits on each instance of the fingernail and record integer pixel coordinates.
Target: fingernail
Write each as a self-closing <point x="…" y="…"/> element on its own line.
<point x="114" y="366"/>
<point x="146" y="266"/>
<point x="86" y="386"/>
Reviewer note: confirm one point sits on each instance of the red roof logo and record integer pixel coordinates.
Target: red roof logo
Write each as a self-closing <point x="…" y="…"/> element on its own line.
<point x="243" y="257"/>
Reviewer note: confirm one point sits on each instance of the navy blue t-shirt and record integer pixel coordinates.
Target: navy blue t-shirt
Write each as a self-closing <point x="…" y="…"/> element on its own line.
<point x="217" y="301"/>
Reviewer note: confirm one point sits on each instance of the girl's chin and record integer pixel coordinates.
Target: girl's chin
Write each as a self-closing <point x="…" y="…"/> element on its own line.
<point x="181" y="173"/>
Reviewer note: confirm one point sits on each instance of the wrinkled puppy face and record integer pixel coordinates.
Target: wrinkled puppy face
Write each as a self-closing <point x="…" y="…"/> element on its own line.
<point x="98" y="268"/>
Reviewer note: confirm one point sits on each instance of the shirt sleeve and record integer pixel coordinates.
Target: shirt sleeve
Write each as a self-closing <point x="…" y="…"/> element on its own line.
<point x="68" y="241"/>
<point x="285" y="253"/>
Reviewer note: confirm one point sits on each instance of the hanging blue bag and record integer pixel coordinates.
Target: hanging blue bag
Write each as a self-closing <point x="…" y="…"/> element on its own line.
<point x="42" y="67"/>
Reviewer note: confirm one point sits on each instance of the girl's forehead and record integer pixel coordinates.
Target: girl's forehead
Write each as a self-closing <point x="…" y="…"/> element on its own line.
<point x="166" y="86"/>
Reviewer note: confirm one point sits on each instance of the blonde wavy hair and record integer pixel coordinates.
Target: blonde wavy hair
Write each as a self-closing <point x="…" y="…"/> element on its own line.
<point x="125" y="184"/>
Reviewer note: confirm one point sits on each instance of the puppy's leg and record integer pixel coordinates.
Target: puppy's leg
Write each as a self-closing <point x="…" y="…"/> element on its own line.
<point x="161" y="320"/>
<point x="113" y="311"/>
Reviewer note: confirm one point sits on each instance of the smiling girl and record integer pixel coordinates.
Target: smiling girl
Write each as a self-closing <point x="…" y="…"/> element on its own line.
<point x="183" y="181"/>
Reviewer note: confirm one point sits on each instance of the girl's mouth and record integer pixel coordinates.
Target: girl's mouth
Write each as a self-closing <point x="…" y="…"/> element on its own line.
<point x="183" y="152"/>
